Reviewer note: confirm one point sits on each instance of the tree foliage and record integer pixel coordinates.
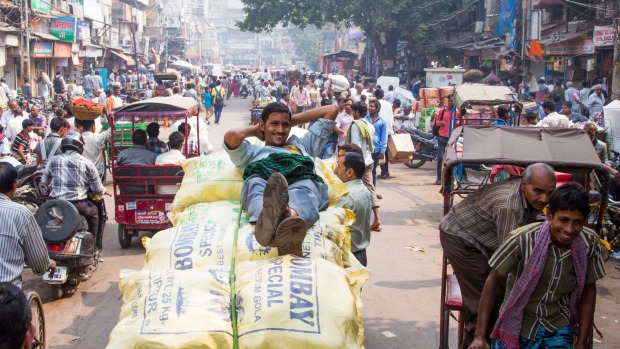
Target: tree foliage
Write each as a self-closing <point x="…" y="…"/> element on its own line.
<point x="310" y="44"/>
<point x="385" y="22"/>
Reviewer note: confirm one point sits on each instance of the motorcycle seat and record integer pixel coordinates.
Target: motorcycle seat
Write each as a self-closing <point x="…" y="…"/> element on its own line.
<point x="421" y="134"/>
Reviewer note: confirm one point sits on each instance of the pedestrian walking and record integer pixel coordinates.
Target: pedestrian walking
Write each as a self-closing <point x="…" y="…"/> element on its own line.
<point x="219" y="94"/>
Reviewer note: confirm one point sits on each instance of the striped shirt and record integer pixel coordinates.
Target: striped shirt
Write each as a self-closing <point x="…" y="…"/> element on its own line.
<point x="485" y="217"/>
<point x="21" y="242"/>
<point x="549" y="304"/>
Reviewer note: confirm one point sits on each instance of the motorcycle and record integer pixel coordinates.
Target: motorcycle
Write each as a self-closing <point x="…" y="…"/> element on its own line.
<point x="69" y="243"/>
<point x="245" y="92"/>
<point x="425" y="145"/>
<point x="27" y="193"/>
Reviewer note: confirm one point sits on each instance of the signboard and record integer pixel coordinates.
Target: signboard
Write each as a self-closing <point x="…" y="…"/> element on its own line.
<point x="43" y="50"/>
<point x="63" y="28"/>
<point x="82" y="30"/>
<point x="151" y="217"/>
<point x="42" y="6"/>
<point x="62" y="50"/>
<point x="603" y="36"/>
<point x="114" y="37"/>
<point x="570" y="47"/>
<point x="192" y="51"/>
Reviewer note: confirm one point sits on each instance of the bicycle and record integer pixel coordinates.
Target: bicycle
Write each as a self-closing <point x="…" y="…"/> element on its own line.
<point x="38" y="319"/>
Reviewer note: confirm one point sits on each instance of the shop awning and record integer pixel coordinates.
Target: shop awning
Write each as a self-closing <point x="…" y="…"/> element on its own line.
<point x="8" y="29"/>
<point x="124" y="57"/>
<point x="45" y="36"/>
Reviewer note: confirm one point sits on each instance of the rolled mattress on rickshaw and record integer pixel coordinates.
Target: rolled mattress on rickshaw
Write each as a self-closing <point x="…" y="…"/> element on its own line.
<point x="182" y="297"/>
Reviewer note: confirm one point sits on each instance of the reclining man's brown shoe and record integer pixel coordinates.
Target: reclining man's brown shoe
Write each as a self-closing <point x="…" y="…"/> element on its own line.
<point x="290" y="234"/>
<point x="275" y="209"/>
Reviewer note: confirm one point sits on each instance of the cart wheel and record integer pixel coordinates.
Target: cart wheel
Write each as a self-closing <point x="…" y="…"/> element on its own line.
<point x="38" y="319"/>
<point x="57" y="291"/>
<point x="415" y="164"/>
<point x="124" y="239"/>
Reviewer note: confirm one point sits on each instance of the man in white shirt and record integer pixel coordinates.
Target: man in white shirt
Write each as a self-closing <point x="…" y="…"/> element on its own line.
<point x="344" y="119"/>
<point x="386" y="113"/>
<point x="8" y="115"/>
<point x="570" y="90"/>
<point x="301" y="97"/>
<point x="356" y="94"/>
<point x="97" y="82"/>
<point x="406" y="119"/>
<point x="553" y="119"/>
<point x="174" y="156"/>
<point x="596" y="101"/>
<point x="389" y="95"/>
<point x="93" y="143"/>
<point x="15" y="125"/>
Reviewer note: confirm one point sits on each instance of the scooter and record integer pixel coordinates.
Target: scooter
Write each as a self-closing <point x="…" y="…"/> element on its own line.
<point x="245" y="92"/>
<point x="27" y="193"/>
<point x="425" y="145"/>
<point x="69" y="243"/>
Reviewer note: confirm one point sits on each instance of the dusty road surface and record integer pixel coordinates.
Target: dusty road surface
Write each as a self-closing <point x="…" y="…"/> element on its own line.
<point x="401" y="299"/>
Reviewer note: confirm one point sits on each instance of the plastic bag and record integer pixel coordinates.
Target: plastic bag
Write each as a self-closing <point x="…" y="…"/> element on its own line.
<point x="289" y="302"/>
<point x="174" y="309"/>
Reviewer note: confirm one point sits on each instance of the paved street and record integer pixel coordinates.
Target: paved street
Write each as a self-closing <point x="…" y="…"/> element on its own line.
<point x="401" y="299"/>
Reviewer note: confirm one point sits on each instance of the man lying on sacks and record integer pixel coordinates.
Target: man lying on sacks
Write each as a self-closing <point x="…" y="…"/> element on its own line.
<point x="281" y="191"/>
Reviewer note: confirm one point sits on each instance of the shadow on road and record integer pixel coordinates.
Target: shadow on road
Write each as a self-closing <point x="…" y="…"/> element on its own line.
<point x="410" y="284"/>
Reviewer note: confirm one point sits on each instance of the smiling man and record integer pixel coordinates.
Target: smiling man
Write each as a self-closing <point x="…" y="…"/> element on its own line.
<point x="281" y="191"/>
<point x="474" y="228"/>
<point x="550" y="271"/>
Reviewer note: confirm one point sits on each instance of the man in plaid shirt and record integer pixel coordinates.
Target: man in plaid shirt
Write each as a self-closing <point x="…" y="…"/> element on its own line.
<point x="282" y="206"/>
<point x="72" y="177"/>
<point x="154" y="144"/>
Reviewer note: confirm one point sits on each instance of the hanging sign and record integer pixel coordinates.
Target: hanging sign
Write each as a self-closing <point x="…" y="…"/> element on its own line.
<point x="42" y="6"/>
<point x="43" y="50"/>
<point x="63" y="28"/>
<point x="603" y="36"/>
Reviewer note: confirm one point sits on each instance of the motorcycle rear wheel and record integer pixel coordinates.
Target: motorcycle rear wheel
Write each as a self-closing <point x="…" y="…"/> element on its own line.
<point x="415" y="163"/>
<point x="57" y="291"/>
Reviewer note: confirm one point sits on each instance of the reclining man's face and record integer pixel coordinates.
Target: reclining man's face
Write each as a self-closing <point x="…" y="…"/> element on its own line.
<point x="276" y="129"/>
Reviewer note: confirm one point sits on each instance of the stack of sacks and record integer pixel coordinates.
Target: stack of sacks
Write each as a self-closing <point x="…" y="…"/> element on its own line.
<point x="277" y="298"/>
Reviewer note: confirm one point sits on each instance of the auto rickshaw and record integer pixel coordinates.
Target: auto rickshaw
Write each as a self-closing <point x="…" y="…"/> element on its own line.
<point x="138" y="203"/>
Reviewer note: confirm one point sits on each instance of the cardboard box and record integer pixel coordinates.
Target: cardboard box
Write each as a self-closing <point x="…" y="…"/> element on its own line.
<point x="401" y="148"/>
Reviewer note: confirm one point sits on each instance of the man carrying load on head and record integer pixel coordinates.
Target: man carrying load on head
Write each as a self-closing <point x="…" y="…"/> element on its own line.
<point x="281" y="192"/>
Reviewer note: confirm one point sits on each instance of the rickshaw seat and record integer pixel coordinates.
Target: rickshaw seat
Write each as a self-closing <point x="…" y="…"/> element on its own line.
<point x="454" y="300"/>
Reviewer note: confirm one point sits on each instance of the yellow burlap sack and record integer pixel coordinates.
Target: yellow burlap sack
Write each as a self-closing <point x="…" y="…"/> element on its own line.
<point x="291" y="302"/>
<point x="174" y="309"/>
<point x="220" y="212"/>
<point x="208" y="178"/>
<point x="197" y="245"/>
<point x="335" y="188"/>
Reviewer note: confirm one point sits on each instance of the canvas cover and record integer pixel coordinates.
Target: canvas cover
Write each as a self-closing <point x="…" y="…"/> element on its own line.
<point x="480" y="94"/>
<point x="565" y="149"/>
<point x="173" y="106"/>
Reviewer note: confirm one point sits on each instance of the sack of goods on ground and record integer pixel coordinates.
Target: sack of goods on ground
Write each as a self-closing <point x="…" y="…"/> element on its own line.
<point x="210" y="259"/>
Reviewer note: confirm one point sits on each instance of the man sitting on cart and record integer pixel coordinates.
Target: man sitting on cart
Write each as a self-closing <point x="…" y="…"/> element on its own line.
<point x="550" y="271"/>
<point x="475" y="227"/>
<point x="281" y="192"/>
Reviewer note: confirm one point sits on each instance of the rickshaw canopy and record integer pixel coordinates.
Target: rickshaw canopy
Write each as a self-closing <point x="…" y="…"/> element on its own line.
<point x="173" y="107"/>
<point x="565" y="149"/>
<point x="480" y="94"/>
